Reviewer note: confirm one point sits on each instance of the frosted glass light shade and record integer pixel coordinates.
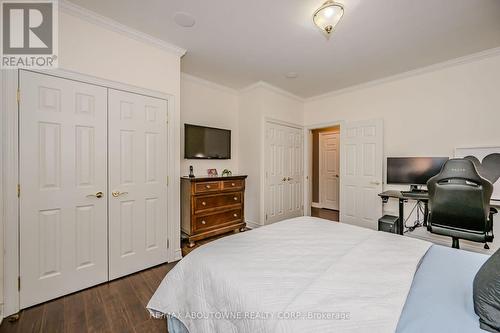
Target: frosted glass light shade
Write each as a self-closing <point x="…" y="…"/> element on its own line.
<point x="328" y="16"/>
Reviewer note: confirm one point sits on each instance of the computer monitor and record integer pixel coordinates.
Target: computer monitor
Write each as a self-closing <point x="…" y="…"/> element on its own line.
<point x="413" y="170"/>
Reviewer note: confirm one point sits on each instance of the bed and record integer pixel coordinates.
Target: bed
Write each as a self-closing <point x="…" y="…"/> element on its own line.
<point x="312" y="275"/>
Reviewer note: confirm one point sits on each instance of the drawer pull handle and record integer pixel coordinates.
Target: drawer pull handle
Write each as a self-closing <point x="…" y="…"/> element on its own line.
<point x="235" y="215"/>
<point x="233" y="184"/>
<point x="203" y="222"/>
<point x="208" y="186"/>
<point x="235" y="198"/>
<point x="204" y="203"/>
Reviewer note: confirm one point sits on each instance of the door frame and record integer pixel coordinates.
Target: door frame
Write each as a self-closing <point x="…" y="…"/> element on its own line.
<point x="320" y="162"/>
<point x="308" y="161"/>
<point x="263" y="155"/>
<point x="10" y="172"/>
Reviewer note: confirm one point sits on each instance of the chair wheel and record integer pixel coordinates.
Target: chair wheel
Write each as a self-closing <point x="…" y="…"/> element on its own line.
<point x="486" y="246"/>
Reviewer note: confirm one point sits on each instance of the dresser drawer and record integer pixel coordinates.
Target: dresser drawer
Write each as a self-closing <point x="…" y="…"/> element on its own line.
<point x="206" y="187"/>
<point x="233" y="184"/>
<point x="216" y="201"/>
<point x="215" y="220"/>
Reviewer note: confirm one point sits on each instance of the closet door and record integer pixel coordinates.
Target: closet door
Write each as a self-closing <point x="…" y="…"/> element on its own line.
<point x="138" y="151"/>
<point x="294" y="172"/>
<point x="284" y="172"/>
<point x="62" y="171"/>
<point x="275" y="172"/>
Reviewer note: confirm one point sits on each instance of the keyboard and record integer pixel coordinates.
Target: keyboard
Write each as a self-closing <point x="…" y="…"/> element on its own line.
<point x="415" y="194"/>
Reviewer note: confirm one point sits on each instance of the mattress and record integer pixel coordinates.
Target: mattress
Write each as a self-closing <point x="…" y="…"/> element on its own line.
<point x="440" y="299"/>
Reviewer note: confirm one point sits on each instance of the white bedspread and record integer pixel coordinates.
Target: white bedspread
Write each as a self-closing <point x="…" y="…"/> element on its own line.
<point x="280" y="278"/>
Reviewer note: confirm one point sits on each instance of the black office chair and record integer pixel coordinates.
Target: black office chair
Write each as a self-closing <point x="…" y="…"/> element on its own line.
<point x="459" y="203"/>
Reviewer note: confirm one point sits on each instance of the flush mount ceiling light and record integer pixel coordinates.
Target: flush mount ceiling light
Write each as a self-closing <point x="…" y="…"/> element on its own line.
<point x="328" y="16"/>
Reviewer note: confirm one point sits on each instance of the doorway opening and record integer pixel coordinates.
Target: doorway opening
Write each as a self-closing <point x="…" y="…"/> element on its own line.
<point x="325" y="173"/>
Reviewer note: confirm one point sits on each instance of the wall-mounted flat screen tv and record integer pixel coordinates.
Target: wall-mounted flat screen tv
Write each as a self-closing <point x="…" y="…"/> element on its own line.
<point x="202" y="142"/>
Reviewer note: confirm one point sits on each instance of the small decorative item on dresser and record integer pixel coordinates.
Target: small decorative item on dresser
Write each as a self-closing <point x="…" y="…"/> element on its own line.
<point x="212" y="172"/>
<point x="226" y="173"/>
<point x="191" y="173"/>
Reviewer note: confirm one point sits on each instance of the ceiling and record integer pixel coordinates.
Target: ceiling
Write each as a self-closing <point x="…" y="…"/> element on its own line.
<point x="236" y="43"/>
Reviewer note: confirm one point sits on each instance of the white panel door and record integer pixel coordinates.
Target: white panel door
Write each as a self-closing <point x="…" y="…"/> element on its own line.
<point x="329" y="170"/>
<point x="284" y="172"/>
<point x="138" y="151"/>
<point x="275" y="172"/>
<point x="294" y="162"/>
<point x="63" y="224"/>
<point x="361" y="172"/>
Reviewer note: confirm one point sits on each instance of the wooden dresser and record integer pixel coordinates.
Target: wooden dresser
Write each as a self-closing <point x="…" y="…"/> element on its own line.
<point x="211" y="206"/>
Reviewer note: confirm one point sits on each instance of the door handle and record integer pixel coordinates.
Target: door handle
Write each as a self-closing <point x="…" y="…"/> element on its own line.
<point x="284" y="179"/>
<point x="98" y="195"/>
<point x="336" y="176"/>
<point x="375" y="182"/>
<point x="116" y="194"/>
<point x="289" y="178"/>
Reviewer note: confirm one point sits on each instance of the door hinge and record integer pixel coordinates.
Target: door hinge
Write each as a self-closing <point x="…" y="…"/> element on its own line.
<point x="18" y="96"/>
<point x="18" y="190"/>
<point x="168" y="243"/>
<point x="167" y="180"/>
<point x="266" y="217"/>
<point x="18" y="283"/>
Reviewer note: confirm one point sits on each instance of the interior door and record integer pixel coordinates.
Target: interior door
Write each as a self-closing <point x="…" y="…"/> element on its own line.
<point x="137" y="182"/>
<point x="294" y="162"/>
<point x="275" y="172"/>
<point x="329" y="170"/>
<point x="361" y="172"/>
<point x="284" y="172"/>
<point x="62" y="171"/>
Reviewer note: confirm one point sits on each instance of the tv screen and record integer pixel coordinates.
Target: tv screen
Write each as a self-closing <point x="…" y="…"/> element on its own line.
<point x="202" y="142"/>
<point x="413" y="170"/>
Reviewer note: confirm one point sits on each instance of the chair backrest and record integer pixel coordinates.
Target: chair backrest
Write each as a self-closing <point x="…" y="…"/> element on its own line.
<point x="459" y="197"/>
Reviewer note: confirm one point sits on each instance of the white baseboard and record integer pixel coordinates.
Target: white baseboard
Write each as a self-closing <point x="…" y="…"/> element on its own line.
<point x="178" y="255"/>
<point x="316" y="205"/>
<point x="253" y="225"/>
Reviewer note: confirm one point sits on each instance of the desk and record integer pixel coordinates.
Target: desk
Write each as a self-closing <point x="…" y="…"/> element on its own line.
<point x="423" y="197"/>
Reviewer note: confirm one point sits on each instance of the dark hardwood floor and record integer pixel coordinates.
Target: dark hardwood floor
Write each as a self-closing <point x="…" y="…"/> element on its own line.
<point x="117" y="306"/>
<point x="327" y="214"/>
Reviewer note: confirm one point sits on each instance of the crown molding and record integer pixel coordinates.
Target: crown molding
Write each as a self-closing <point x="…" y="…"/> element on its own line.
<point x="105" y="22"/>
<point x="265" y="85"/>
<point x="209" y="84"/>
<point x="419" y="71"/>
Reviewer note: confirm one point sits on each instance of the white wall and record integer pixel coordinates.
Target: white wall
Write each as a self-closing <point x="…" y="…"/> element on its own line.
<point x="258" y="103"/>
<point x="427" y="114"/>
<point x="207" y="104"/>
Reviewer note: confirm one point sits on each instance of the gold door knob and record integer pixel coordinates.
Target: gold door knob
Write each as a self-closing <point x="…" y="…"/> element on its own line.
<point x="203" y="222"/>
<point x="208" y="186"/>
<point x="204" y="203"/>
<point x="97" y="195"/>
<point x="235" y="215"/>
<point x="235" y="198"/>
<point x="233" y="184"/>
<point x="116" y="194"/>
